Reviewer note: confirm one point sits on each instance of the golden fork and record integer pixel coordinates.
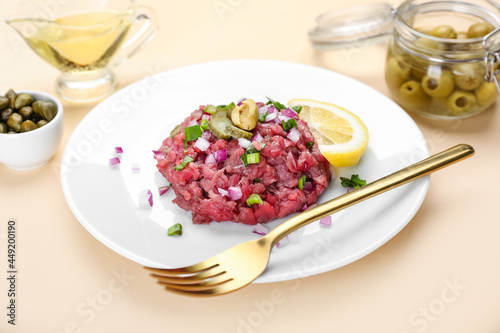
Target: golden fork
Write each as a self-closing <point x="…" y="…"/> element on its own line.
<point x="238" y="266"/>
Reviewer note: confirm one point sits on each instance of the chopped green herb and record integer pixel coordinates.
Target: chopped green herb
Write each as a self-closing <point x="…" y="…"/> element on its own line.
<point x="263" y="116"/>
<point x="254" y="199"/>
<point x="170" y="184"/>
<point x="193" y="132"/>
<point x="181" y="166"/>
<point x="302" y="181"/>
<point x="210" y="109"/>
<point x="256" y="180"/>
<point x="227" y="107"/>
<point x="250" y="158"/>
<point x="289" y="124"/>
<point x="297" y="108"/>
<point x="354" y="182"/>
<point x="176" y="229"/>
<point x="276" y="104"/>
<point x="204" y="124"/>
<point x="251" y="149"/>
<point x="310" y="144"/>
<point x="185" y="145"/>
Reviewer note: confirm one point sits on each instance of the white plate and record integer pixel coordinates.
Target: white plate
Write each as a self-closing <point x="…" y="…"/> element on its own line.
<point x="139" y="117"/>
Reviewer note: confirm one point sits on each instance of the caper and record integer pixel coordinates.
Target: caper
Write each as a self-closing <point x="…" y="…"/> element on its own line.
<point x="4" y="102"/>
<point x="397" y="71"/>
<point x="23" y="99"/>
<point x="41" y="123"/>
<point x="413" y="94"/>
<point x="461" y="102"/>
<point x="468" y="76"/>
<point x="479" y="29"/>
<point x="27" y="126"/>
<point x="15" y="121"/>
<point x="245" y="115"/>
<point x="438" y="84"/>
<point x="11" y="95"/>
<point x="45" y="109"/>
<point x="3" y="128"/>
<point x="486" y="93"/>
<point x="444" y="31"/>
<point x="26" y="112"/>
<point x="5" y="114"/>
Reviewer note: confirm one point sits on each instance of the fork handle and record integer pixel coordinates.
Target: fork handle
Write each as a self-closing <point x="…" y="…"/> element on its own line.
<point x="398" y="178"/>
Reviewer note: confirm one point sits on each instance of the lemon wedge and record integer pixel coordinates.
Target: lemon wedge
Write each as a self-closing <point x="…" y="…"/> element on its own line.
<point x="341" y="135"/>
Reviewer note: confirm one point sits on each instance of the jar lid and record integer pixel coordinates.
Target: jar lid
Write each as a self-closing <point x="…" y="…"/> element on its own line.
<point x="353" y="27"/>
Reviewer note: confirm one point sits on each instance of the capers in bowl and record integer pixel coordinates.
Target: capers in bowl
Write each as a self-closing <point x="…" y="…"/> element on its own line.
<point x="21" y="113"/>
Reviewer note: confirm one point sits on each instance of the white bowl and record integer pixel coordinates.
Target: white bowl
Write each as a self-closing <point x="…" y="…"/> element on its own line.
<point x="30" y="150"/>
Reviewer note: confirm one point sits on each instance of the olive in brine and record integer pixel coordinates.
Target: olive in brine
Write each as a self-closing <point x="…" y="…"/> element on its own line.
<point x="11" y="95"/>
<point x="486" y="93"/>
<point x="45" y="109"/>
<point x="479" y="29"/>
<point x="23" y="99"/>
<point x="27" y="126"/>
<point x="414" y="96"/>
<point x="5" y="114"/>
<point x="444" y="31"/>
<point x="41" y="123"/>
<point x="438" y="84"/>
<point x="3" y="128"/>
<point x="462" y="35"/>
<point x="4" y="102"/>
<point x="461" y="102"/>
<point x="468" y="76"/>
<point x="26" y="112"/>
<point x="15" y="121"/>
<point x="397" y="71"/>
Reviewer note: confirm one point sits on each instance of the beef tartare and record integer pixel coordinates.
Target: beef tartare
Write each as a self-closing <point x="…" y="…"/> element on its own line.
<point x="227" y="164"/>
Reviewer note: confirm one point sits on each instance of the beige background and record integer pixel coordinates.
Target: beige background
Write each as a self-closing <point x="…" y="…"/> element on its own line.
<point x="67" y="279"/>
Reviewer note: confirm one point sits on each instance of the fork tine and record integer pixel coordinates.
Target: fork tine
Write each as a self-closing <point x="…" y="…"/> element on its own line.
<point x="189" y="270"/>
<point x="201" y="286"/>
<point x="220" y="289"/>
<point x="203" y="276"/>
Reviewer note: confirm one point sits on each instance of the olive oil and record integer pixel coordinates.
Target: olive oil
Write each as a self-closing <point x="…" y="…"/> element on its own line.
<point x="82" y="42"/>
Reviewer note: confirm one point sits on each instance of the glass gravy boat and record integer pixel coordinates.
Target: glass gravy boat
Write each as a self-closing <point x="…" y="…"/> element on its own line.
<point x="84" y="39"/>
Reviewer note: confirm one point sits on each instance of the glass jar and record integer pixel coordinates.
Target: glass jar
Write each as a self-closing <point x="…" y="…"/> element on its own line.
<point x="441" y="60"/>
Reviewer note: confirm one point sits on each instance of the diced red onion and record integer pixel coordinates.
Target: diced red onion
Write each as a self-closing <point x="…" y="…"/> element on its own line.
<point x="192" y="123"/>
<point x="145" y="199"/>
<point x="206" y="116"/>
<point x="114" y="162"/>
<point x="206" y="134"/>
<point x="283" y="117"/>
<point x="202" y="144"/>
<point x="349" y="189"/>
<point x="303" y="208"/>
<point x="135" y="167"/>
<point x="271" y="116"/>
<point x="220" y="155"/>
<point x="271" y="109"/>
<point x="159" y="155"/>
<point x="162" y="190"/>
<point x="244" y="143"/>
<point x="257" y="137"/>
<point x="308" y="186"/>
<point x="326" y="221"/>
<point x="240" y="101"/>
<point x="210" y="159"/>
<point x="290" y="113"/>
<point x="282" y="242"/>
<point x="118" y="151"/>
<point x="260" y="230"/>
<point x="234" y="192"/>
<point x="223" y="192"/>
<point x="293" y="135"/>
<point x="263" y="109"/>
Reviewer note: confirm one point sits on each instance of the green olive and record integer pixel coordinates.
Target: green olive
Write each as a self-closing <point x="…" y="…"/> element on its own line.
<point x="26" y="112"/>
<point x="462" y="35"/>
<point x="4" y="102"/>
<point x="23" y="99"/>
<point x="5" y="114"/>
<point x="479" y="29"/>
<point x="444" y="31"/>
<point x="486" y="94"/>
<point x="468" y="76"/>
<point x="45" y="109"/>
<point x="397" y="71"/>
<point x="438" y="84"/>
<point x="11" y="95"/>
<point x="413" y="94"/>
<point x="223" y="128"/>
<point x="15" y="121"/>
<point x="41" y="123"/>
<point x="245" y="115"/>
<point x="428" y="46"/>
<point x="3" y="128"/>
<point x="27" y="126"/>
<point x="460" y="103"/>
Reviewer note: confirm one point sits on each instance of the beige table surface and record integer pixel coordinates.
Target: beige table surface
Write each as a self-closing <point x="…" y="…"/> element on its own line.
<point x="439" y="274"/>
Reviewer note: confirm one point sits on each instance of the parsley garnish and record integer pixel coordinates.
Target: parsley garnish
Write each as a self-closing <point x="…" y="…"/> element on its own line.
<point x="297" y="108"/>
<point x="310" y="144"/>
<point x="354" y="182"/>
<point x="263" y="116"/>
<point x="276" y="104"/>
<point x="289" y="124"/>
<point x="181" y="166"/>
